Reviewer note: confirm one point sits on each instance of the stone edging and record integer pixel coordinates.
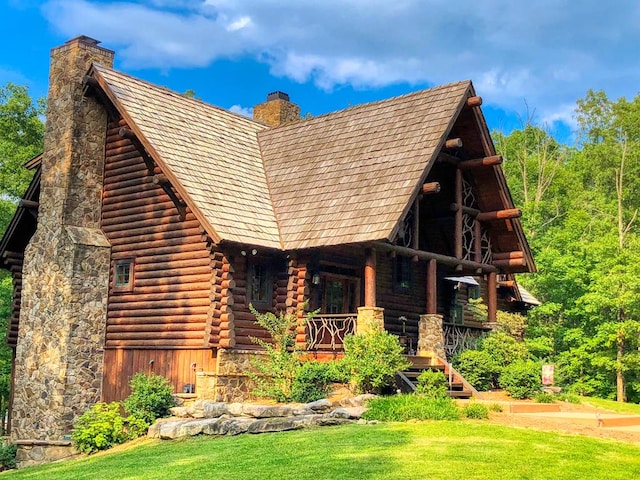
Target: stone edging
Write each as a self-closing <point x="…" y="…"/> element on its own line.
<point x="216" y="418"/>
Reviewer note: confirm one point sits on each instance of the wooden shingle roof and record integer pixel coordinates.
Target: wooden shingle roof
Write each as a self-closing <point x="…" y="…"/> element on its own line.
<point x="348" y="176"/>
<point x="211" y="155"/>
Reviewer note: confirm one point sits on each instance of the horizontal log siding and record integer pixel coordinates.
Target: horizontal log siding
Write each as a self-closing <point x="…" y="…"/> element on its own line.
<point x="410" y="305"/>
<point x="170" y="304"/>
<point x="176" y="365"/>
<point x="16" y="273"/>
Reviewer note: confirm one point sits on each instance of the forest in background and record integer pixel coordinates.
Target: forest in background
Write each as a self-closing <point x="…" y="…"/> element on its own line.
<point x="580" y="213"/>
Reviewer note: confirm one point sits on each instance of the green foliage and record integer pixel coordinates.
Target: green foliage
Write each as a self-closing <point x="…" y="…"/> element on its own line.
<point x="151" y="397"/>
<point x="521" y="379"/>
<point x="276" y="371"/>
<point x="401" y="408"/>
<point x="432" y="384"/>
<point x="478" y="367"/>
<point x="495" y="407"/>
<point x="8" y="456"/>
<point x="100" y="428"/>
<point x="476" y="411"/>
<point x="312" y="380"/>
<point x="503" y="348"/>
<point x="568" y="397"/>
<point x="513" y="324"/>
<point x="478" y="309"/>
<point x="372" y="360"/>
<point x="544" y="397"/>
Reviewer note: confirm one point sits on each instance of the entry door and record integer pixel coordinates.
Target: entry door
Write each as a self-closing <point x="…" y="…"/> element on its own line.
<point x="339" y="294"/>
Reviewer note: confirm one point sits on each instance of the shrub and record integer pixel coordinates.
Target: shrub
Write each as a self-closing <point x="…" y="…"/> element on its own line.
<point x="568" y="397"/>
<point x="432" y="384"/>
<point x="544" y="397"/>
<point x="494" y="407"/>
<point x="478" y="368"/>
<point x="513" y="324"/>
<point x="276" y="371"/>
<point x="478" y="309"/>
<point x="99" y="428"/>
<point x="504" y="349"/>
<point x="372" y="359"/>
<point x="475" y="410"/>
<point x="521" y="379"/>
<point x="400" y="408"/>
<point x="8" y="456"/>
<point x="151" y="397"/>
<point x="312" y="381"/>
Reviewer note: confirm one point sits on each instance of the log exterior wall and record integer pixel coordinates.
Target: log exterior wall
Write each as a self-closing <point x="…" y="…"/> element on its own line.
<point x="169" y="306"/>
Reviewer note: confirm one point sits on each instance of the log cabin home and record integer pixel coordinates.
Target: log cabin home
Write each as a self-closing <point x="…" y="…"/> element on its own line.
<point x="153" y="220"/>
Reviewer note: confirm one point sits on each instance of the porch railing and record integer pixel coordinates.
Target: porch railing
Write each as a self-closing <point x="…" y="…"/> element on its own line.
<point x="327" y="331"/>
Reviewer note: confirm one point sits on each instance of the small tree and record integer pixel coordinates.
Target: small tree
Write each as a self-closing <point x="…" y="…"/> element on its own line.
<point x="151" y="397"/>
<point x="277" y="369"/>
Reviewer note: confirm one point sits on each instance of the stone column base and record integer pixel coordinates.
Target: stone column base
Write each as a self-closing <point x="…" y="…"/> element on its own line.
<point x="431" y="336"/>
<point x="369" y="318"/>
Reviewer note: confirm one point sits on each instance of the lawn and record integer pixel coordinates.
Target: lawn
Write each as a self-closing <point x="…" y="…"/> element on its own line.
<point x="619" y="407"/>
<point x="434" y="450"/>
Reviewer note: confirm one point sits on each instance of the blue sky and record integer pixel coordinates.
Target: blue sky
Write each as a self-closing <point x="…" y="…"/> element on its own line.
<point x="525" y="58"/>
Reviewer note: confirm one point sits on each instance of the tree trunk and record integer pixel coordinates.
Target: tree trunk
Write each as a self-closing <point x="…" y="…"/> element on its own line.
<point x="620" y="390"/>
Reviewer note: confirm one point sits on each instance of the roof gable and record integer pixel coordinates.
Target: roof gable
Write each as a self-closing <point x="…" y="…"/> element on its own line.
<point x="349" y="176"/>
<point x="211" y="156"/>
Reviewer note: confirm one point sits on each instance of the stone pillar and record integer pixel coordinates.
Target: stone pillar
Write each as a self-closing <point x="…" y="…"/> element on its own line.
<point x="431" y="336"/>
<point x="277" y="110"/>
<point x="369" y="318"/>
<point x="59" y="354"/>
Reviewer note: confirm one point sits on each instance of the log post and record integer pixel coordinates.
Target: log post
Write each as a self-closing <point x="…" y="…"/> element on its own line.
<point x="431" y="188"/>
<point x="370" y="278"/>
<point x="492" y="293"/>
<point x="475" y="101"/>
<point x="416" y="224"/>
<point x="477" y="241"/>
<point x="432" y="286"/>
<point x="499" y="215"/>
<point x="453" y="143"/>
<point x="458" y="229"/>
<point x="481" y="162"/>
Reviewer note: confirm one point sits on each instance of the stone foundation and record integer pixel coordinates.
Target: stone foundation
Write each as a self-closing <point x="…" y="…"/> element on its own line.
<point x="369" y="318"/>
<point x="34" y="452"/>
<point x="230" y="382"/>
<point x="431" y="336"/>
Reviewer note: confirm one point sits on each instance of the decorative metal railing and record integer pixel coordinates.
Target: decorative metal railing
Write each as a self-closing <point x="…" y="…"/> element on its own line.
<point x="327" y="331"/>
<point x="458" y="338"/>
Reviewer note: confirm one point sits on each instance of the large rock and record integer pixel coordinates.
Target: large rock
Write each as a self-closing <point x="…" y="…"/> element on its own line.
<point x="358" y="401"/>
<point x="214" y="409"/>
<point x="267" y="411"/>
<point x="180" y="412"/>
<point x="281" y="424"/>
<point x="196" y="409"/>
<point x="171" y="430"/>
<point x="348" y="412"/>
<point x="322" y="405"/>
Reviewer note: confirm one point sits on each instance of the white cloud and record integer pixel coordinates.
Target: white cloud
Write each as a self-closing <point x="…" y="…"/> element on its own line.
<point x="240" y="110"/>
<point x="547" y="53"/>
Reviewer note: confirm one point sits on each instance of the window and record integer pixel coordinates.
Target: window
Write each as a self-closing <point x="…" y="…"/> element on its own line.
<point x="123" y="275"/>
<point x="260" y="285"/>
<point x="401" y="274"/>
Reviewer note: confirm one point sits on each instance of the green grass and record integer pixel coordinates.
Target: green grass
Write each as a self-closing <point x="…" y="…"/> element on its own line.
<point x="434" y="450"/>
<point x="619" y="407"/>
<point x="401" y="408"/>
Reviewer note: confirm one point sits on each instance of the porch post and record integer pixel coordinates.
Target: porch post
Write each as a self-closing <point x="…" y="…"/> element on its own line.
<point x="369" y="317"/>
<point x="432" y="286"/>
<point x="370" y="278"/>
<point x="458" y="223"/>
<point x="492" y="301"/>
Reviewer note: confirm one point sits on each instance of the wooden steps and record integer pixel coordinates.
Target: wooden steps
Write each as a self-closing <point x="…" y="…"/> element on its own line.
<point x="457" y="386"/>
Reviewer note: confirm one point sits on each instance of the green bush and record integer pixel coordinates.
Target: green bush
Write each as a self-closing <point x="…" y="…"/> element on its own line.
<point x="544" y="397"/>
<point x="478" y="367"/>
<point x="568" y="397"/>
<point x="475" y="410"/>
<point x="503" y="348"/>
<point x="8" y="456"/>
<point x="432" y="384"/>
<point x="521" y="379"/>
<point x="151" y="397"/>
<point x="372" y="359"/>
<point x="495" y="407"/>
<point x="400" y="408"/>
<point x="100" y="428"/>
<point x="312" y="381"/>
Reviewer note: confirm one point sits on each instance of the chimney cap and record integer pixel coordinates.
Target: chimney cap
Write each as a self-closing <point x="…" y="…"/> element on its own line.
<point x="84" y="39"/>
<point x="277" y="95"/>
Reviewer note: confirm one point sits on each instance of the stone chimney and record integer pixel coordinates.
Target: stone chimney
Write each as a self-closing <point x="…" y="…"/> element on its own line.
<point x="59" y="354"/>
<point x="277" y="110"/>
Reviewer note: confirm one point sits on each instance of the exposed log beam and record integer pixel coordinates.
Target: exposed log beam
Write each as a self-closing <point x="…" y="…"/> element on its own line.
<point x="453" y="143"/>
<point x="416" y="224"/>
<point x="458" y="227"/>
<point x="507" y="283"/>
<point x="511" y="262"/>
<point x="480" y="162"/>
<point x="444" y="157"/>
<point x="160" y="179"/>
<point x="466" y="210"/>
<point x="474" y="101"/>
<point x="508" y="255"/>
<point x="29" y="204"/>
<point x="499" y="215"/>
<point x="492" y="292"/>
<point x="431" y="188"/>
<point x="129" y="134"/>
<point x="423" y="255"/>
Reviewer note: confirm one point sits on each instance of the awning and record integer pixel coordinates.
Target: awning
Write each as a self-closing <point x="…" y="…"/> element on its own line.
<point x="467" y="280"/>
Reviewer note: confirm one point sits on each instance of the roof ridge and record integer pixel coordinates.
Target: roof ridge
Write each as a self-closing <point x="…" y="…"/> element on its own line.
<point x="181" y="96"/>
<point x="362" y="106"/>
